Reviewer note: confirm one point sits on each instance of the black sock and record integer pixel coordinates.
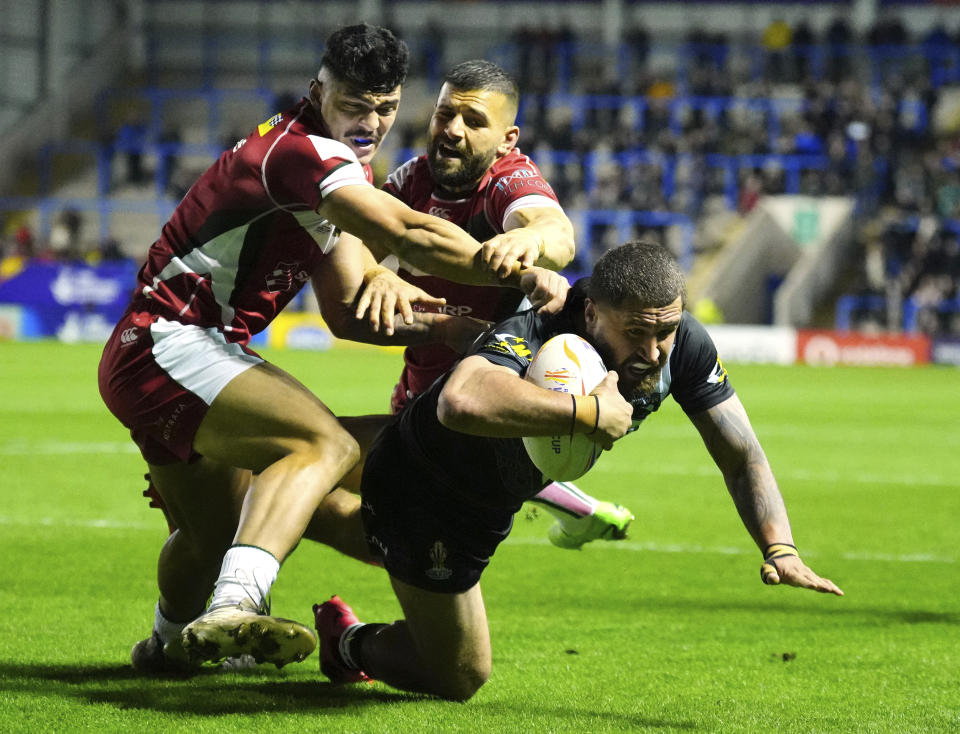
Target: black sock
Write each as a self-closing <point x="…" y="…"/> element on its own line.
<point x="355" y="642"/>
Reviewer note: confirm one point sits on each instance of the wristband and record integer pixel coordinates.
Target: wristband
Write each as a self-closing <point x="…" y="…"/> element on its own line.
<point x="573" y="416"/>
<point x="775" y="550"/>
<point x="581" y="421"/>
<point x="596" y="418"/>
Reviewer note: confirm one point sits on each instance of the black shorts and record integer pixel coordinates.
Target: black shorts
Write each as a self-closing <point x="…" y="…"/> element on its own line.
<point x="425" y="535"/>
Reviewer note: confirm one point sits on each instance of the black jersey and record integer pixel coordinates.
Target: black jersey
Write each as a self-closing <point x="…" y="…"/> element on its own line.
<point x="496" y="472"/>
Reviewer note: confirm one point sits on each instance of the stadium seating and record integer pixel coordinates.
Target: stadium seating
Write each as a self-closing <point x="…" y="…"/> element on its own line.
<point x="635" y="153"/>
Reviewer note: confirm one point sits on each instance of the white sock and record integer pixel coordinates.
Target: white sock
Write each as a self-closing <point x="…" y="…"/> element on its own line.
<point x="247" y="573"/>
<point x="166" y="630"/>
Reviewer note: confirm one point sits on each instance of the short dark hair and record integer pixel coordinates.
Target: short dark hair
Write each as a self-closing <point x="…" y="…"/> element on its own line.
<point x="366" y="57"/>
<point x="640" y="271"/>
<point x="478" y="74"/>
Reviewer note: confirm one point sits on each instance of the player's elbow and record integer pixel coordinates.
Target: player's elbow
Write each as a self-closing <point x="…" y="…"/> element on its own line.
<point x="341" y="321"/>
<point x="455" y="409"/>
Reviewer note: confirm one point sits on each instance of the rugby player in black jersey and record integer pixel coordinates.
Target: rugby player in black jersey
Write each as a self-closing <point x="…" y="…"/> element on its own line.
<point x="465" y="472"/>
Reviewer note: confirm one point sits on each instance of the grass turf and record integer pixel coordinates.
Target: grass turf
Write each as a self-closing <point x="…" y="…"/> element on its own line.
<point x="670" y="630"/>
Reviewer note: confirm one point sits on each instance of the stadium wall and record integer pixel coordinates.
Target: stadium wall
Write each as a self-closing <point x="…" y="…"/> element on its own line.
<point x="81" y="303"/>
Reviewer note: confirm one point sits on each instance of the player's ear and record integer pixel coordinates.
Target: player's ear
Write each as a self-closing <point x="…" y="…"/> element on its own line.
<point x="510" y="137"/>
<point x="315" y="91"/>
<point x="589" y="312"/>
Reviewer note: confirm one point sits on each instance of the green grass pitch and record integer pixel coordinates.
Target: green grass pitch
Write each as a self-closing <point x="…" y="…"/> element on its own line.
<point x="669" y="631"/>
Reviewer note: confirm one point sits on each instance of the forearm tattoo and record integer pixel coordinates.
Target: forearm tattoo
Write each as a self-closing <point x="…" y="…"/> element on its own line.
<point x="732" y="443"/>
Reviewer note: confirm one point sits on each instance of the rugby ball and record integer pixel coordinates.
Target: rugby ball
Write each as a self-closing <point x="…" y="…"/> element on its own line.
<point x="566" y="363"/>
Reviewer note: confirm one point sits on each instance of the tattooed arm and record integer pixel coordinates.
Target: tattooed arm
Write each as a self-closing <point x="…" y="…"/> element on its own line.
<point x="730" y="439"/>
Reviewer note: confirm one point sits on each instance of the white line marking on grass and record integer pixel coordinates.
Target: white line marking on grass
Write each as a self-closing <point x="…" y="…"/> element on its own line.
<point x="802" y="475"/>
<point x="620" y="545"/>
<point x="58" y="448"/>
<point x="60" y="522"/>
<point x="628" y="545"/>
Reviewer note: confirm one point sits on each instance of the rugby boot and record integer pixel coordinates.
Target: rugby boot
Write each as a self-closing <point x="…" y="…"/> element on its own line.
<point x="234" y="630"/>
<point x="608" y="522"/>
<point x="332" y="619"/>
<point x="153" y="657"/>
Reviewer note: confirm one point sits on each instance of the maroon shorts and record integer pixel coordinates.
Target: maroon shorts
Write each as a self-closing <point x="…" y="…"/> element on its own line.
<point x="159" y="377"/>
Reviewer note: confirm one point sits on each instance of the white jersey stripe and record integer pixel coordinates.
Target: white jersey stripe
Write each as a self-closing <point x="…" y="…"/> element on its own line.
<point x="525" y="202"/>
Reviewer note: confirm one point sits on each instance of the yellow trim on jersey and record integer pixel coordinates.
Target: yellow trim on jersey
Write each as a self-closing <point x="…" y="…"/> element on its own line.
<point x="264" y="127"/>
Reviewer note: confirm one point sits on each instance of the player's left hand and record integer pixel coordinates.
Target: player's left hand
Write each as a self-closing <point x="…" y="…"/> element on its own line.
<point x="790" y="570"/>
<point x="546" y="290"/>
<point x="518" y="248"/>
<point x="384" y="294"/>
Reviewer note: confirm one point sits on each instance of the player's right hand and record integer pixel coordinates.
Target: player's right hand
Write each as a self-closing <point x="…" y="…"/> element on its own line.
<point x="615" y="414"/>
<point x="790" y="570"/>
<point x="385" y="294"/>
<point x="545" y="289"/>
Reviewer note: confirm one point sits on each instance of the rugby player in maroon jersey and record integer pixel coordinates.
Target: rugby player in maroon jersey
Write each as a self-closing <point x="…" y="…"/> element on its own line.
<point x="475" y="176"/>
<point x="239" y="451"/>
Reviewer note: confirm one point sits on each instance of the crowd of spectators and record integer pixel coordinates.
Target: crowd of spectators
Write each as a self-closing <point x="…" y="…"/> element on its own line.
<point x="67" y="242"/>
<point x="855" y="115"/>
<point x="790" y="111"/>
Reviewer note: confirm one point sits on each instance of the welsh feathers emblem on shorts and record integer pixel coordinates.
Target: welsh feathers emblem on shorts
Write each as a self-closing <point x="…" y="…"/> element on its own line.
<point x="438" y="556"/>
<point x="286" y="277"/>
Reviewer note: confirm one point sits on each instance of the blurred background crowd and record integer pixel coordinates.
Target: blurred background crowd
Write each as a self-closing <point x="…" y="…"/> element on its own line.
<point x="685" y="131"/>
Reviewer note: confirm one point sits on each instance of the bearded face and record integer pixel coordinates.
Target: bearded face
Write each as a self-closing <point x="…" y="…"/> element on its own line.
<point x="454" y="166"/>
<point x="469" y="130"/>
<point x="634" y="340"/>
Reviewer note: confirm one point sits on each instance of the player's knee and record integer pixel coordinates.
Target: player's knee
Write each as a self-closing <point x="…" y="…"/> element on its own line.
<point x="337" y="451"/>
<point x="345" y="451"/>
<point x="466" y="682"/>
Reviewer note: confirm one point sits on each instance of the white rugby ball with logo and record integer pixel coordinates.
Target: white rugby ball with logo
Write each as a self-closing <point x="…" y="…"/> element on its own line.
<point x="566" y="363"/>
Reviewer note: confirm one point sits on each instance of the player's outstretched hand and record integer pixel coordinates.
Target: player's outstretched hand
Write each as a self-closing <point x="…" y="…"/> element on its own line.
<point x="384" y="294"/>
<point x="790" y="570"/>
<point x="615" y="414"/>
<point x="546" y="290"/>
<point x="517" y="248"/>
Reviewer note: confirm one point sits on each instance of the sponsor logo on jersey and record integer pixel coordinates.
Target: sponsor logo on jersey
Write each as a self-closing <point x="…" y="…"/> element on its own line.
<point x="264" y="127"/>
<point x="455" y="310"/>
<point x="521" y="178"/>
<point x="719" y="373"/>
<point x="438" y="557"/>
<point x="439" y="211"/>
<point x="286" y="277"/>
<point x="240" y="143"/>
<point x="128" y="336"/>
<point x="509" y="345"/>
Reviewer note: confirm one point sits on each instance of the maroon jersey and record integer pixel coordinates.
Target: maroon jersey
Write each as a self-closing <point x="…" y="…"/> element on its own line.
<point x="247" y="235"/>
<point x="513" y="182"/>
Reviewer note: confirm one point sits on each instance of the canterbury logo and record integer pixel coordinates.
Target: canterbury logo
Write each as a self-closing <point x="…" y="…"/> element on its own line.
<point x="439" y="211"/>
<point x="128" y="335"/>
